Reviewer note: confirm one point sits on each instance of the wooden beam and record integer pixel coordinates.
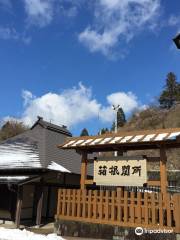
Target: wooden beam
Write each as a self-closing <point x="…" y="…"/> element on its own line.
<point x="39" y="205"/>
<point x="149" y="159"/>
<point x="19" y="206"/>
<point x="154" y="183"/>
<point x="153" y="159"/>
<point x="83" y="169"/>
<point x="163" y="173"/>
<point x="89" y="181"/>
<point x="125" y="146"/>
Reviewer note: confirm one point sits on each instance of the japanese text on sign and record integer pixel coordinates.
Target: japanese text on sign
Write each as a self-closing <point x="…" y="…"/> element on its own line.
<point x="120" y="173"/>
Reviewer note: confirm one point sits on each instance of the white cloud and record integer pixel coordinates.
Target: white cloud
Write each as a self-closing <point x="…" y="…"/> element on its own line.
<point x="70" y="107"/>
<point x="74" y="106"/>
<point x="70" y="12"/>
<point x="117" y="21"/>
<point x="26" y="40"/>
<point x="7" y="33"/>
<point x="128" y="101"/>
<point x="27" y="97"/>
<point x="174" y="20"/>
<point x="10" y="33"/>
<point x="40" y="12"/>
<point x="6" y="4"/>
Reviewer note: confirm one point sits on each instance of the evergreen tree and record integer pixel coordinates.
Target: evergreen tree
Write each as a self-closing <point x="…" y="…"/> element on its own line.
<point x="103" y="131"/>
<point x="171" y="93"/>
<point x="121" y="119"/>
<point x="113" y="127"/>
<point x="84" y="132"/>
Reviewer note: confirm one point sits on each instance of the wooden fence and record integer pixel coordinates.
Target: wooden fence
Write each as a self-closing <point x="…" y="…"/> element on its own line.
<point x="120" y="208"/>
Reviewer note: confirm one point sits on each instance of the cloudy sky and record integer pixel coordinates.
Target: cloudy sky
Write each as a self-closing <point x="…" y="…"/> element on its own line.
<point x="70" y="60"/>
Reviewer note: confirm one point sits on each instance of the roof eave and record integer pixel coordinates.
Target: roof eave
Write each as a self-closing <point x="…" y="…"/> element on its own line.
<point x="126" y="146"/>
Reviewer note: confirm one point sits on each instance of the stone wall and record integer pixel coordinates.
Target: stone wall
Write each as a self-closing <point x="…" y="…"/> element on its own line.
<point x="102" y="231"/>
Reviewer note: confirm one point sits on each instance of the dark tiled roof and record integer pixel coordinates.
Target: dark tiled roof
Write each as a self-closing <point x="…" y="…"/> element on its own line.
<point x="53" y="127"/>
<point x="37" y="148"/>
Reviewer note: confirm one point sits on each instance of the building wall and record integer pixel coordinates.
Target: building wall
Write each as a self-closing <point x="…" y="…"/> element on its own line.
<point x="27" y="203"/>
<point x="69" y="159"/>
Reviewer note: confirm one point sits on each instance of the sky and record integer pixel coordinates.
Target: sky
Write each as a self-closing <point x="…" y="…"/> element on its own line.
<point x="69" y="61"/>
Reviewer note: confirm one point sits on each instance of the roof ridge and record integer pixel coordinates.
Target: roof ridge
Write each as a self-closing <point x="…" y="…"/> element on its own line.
<point x="52" y="126"/>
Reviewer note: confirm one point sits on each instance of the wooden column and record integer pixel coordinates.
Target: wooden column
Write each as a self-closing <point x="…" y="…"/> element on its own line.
<point x="39" y="205"/>
<point x="83" y="170"/>
<point x="19" y="206"/>
<point x="48" y="201"/>
<point x="176" y="201"/>
<point x="163" y="173"/>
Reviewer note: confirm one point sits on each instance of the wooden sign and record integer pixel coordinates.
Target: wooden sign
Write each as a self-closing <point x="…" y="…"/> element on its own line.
<point x="120" y="172"/>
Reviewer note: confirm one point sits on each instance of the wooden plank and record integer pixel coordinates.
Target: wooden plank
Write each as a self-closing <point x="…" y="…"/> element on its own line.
<point x="89" y="182"/>
<point x="89" y="204"/>
<point x="176" y="201"/>
<point x="112" y="205"/>
<point x="153" y="183"/>
<point x="125" y="206"/>
<point x="68" y="202"/>
<point x="132" y="207"/>
<point x="59" y="202"/>
<point x="84" y="193"/>
<point x="19" y="207"/>
<point x="153" y="159"/>
<point x="95" y="204"/>
<point x="119" y="198"/>
<point x="107" y="205"/>
<point x="101" y="204"/>
<point x="163" y="173"/>
<point x="39" y="206"/>
<point x="153" y="208"/>
<point x="169" y="217"/>
<point x="146" y="216"/>
<point x="78" y="202"/>
<point x="83" y="169"/>
<point x="161" y="215"/>
<point x="73" y="202"/>
<point x="63" y="201"/>
<point x="139" y="196"/>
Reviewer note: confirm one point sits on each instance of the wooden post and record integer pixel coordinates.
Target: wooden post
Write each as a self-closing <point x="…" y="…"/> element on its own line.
<point x="48" y="201"/>
<point x="163" y="173"/>
<point x="176" y="200"/>
<point x="39" y="205"/>
<point x="83" y="170"/>
<point x="19" y="206"/>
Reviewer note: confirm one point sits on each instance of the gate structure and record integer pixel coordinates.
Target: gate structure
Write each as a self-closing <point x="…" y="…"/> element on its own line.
<point x="118" y="206"/>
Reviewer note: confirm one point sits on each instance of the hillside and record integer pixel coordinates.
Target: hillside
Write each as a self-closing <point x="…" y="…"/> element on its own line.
<point x="154" y="118"/>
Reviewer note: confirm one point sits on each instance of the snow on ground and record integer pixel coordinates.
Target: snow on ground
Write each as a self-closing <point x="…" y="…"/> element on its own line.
<point x="16" y="234"/>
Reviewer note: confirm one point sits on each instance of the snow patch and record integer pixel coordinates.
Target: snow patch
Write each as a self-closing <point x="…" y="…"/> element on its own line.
<point x="16" y="234"/>
<point x="55" y="166"/>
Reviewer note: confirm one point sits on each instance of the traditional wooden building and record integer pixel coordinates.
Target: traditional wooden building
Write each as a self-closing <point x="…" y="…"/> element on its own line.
<point x="32" y="168"/>
<point x="106" y="199"/>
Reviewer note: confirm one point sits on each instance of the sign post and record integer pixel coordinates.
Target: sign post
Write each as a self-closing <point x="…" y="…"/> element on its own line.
<point x="120" y="172"/>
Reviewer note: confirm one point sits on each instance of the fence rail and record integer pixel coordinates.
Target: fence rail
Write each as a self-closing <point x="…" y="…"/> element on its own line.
<point x="121" y="208"/>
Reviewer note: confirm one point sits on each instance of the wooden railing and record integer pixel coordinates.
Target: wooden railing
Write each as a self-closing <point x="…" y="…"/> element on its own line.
<point x="121" y="208"/>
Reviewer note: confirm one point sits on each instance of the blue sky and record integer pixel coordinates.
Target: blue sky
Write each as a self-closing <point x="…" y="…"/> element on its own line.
<point x="69" y="61"/>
